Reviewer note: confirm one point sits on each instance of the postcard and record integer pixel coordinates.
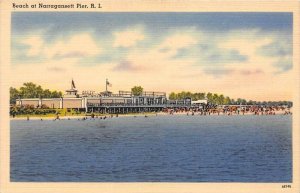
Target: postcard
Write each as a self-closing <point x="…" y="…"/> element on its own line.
<point x="149" y="96"/>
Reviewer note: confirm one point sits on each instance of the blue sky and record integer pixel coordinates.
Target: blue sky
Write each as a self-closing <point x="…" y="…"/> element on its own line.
<point x="205" y="52"/>
<point x="104" y="22"/>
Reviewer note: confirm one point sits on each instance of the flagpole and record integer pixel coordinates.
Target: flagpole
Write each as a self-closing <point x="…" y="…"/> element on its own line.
<point x="106" y="85"/>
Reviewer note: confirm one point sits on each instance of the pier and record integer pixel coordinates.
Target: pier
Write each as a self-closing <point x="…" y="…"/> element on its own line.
<point x="108" y="102"/>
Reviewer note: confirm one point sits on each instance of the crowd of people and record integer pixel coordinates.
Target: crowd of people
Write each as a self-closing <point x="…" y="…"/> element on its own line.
<point x="231" y="110"/>
<point x="207" y="110"/>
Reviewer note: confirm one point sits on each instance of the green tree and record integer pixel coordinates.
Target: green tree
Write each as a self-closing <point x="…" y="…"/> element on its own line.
<point x="56" y="94"/>
<point x="137" y="90"/>
<point x="47" y="93"/>
<point x="232" y="102"/>
<point x="31" y="90"/>
<point x="181" y="95"/>
<point x="239" y="101"/>
<point x="215" y="98"/>
<point x="227" y="101"/>
<point x="14" y="94"/>
<point x="195" y="96"/>
<point x="188" y="95"/>
<point x="244" y="101"/>
<point x="209" y="97"/>
<point x="221" y="99"/>
<point x="173" y="96"/>
<point x="250" y="102"/>
<point x="201" y="96"/>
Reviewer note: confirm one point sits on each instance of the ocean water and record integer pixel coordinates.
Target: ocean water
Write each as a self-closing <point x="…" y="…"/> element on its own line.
<point x="174" y="148"/>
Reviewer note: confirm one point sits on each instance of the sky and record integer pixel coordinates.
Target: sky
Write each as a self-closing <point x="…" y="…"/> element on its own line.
<point x="240" y="55"/>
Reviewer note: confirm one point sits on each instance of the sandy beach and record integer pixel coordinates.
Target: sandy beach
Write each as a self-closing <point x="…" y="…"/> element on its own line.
<point x="189" y="113"/>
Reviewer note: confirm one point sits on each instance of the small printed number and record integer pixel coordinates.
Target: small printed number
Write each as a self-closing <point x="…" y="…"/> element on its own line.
<point x="286" y="186"/>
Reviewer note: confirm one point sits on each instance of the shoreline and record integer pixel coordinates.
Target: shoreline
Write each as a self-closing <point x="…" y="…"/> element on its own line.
<point x="149" y="114"/>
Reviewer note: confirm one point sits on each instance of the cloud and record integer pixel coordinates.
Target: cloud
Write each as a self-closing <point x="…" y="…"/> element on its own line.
<point x="178" y="44"/>
<point x="269" y="51"/>
<point x="128" y="37"/>
<point x="245" y="41"/>
<point x="76" y="46"/>
<point x="216" y="55"/>
<point x="126" y="66"/>
<point x="218" y="72"/>
<point x="276" y="48"/>
<point x="240" y="61"/>
<point x="157" y="56"/>
<point x="178" y="41"/>
<point x="281" y="50"/>
<point x="182" y="52"/>
<point x="35" y="44"/>
<point x="283" y="64"/>
<point x="251" y="72"/>
<point x="56" y="69"/>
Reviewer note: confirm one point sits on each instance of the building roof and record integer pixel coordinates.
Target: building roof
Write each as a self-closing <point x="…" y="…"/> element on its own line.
<point x="71" y="90"/>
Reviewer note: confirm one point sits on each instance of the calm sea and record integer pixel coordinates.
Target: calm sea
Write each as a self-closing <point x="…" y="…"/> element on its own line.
<point x="174" y="148"/>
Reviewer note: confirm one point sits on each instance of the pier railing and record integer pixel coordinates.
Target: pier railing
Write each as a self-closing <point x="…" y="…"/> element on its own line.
<point x="114" y="105"/>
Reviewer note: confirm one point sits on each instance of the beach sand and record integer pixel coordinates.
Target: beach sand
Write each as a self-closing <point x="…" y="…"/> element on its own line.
<point x="280" y="112"/>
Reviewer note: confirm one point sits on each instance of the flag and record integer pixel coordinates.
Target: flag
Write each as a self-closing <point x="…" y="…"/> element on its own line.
<point x="73" y="84"/>
<point x="108" y="83"/>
